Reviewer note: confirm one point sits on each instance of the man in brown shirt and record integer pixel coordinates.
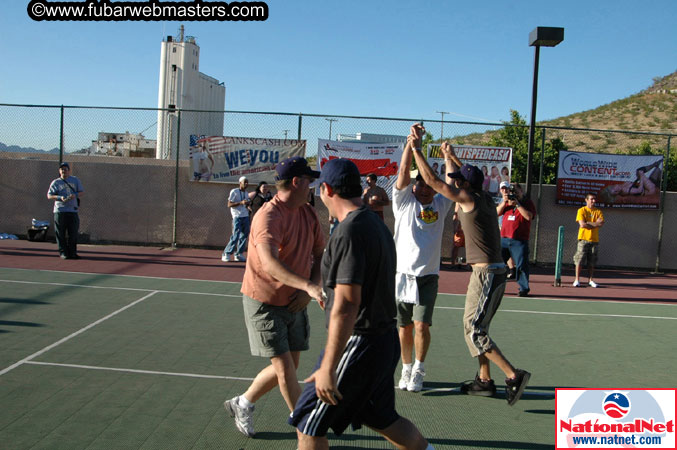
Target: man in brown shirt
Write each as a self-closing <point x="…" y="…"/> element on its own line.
<point x="477" y="213"/>
<point x="375" y="196"/>
<point x="281" y="276"/>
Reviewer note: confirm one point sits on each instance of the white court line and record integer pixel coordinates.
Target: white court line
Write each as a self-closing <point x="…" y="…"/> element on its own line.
<point x="222" y="377"/>
<point x="148" y="372"/>
<point x="72" y="335"/>
<point x="239" y="296"/>
<point x="120" y="275"/>
<point x="436" y="307"/>
<point x="119" y="288"/>
<point x="568" y="314"/>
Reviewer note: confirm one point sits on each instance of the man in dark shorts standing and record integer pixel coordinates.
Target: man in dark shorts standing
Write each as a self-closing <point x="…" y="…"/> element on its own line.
<point x="353" y="379"/>
<point x="477" y="213"/>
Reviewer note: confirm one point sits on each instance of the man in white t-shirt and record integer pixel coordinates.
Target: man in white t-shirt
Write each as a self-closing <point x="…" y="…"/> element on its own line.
<point x="419" y="224"/>
<point x="238" y="202"/>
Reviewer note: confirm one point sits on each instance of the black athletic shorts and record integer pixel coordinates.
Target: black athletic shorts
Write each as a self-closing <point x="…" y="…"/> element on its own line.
<point x="365" y="379"/>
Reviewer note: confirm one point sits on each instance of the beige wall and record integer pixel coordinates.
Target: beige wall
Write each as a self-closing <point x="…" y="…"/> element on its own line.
<point x="132" y="200"/>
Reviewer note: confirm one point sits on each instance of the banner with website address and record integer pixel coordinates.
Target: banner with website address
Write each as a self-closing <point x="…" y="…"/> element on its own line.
<point x="619" y="181"/>
<point x="495" y="163"/>
<point x="383" y="160"/>
<point x="224" y="159"/>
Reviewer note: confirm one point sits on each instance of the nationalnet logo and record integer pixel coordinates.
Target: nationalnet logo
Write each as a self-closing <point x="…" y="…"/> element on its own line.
<point x="615" y="418"/>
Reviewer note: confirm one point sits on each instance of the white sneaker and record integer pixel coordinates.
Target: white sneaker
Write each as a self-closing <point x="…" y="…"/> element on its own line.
<point x="416" y="381"/>
<point x="576" y="284"/>
<point x="225" y="257"/>
<point x="404" y="379"/>
<point x="244" y="417"/>
<point x="240" y="258"/>
<point x="592" y="284"/>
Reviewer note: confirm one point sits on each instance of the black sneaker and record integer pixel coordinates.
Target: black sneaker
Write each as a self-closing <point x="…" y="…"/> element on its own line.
<point x="479" y="387"/>
<point x="515" y="387"/>
<point x="511" y="274"/>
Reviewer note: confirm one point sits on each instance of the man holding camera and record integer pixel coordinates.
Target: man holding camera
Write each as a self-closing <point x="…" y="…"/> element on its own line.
<point x="238" y="202"/>
<point x="66" y="192"/>
<point x="517" y="212"/>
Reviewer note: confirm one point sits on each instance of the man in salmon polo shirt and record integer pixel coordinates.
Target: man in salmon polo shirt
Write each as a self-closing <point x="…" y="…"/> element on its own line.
<point x="282" y="275"/>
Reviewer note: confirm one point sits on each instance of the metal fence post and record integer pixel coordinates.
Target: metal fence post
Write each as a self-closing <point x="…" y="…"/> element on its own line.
<point x="176" y="179"/>
<point x="660" y="217"/>
<point x="300" y="123"/>
<point x="61" y="138"/>
<point x="538" y="201"/>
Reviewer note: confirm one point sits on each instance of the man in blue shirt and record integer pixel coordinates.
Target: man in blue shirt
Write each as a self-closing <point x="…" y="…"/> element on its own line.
<point x="66" y="191"/>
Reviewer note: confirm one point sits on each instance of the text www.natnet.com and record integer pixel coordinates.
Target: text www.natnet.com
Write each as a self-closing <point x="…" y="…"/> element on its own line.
<point x="616" y="440"/>
<point x="154" y="10"/>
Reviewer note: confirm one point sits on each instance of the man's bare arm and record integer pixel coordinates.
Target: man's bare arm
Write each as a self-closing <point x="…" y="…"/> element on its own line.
<point x="347" y="298"/>
<point x="272" y="265"/>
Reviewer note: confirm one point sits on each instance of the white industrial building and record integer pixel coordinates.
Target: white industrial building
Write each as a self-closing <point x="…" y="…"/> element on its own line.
<point x="123" y="144"/>
<point x="183" y="86"/>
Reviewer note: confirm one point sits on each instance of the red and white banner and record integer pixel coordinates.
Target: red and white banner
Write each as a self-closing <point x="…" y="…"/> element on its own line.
<point x="619" y="181"/>
<point x="383" y="160"/>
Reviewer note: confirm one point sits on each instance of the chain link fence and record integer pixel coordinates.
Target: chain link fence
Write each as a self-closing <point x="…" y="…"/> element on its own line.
<point x="137" y="198"/>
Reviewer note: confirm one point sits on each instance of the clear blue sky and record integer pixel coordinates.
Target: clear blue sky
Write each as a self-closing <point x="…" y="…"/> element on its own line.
<point x="389" y="59"/>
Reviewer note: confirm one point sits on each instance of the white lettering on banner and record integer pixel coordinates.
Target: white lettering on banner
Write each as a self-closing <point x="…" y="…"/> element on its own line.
<point x="225" y="158"/>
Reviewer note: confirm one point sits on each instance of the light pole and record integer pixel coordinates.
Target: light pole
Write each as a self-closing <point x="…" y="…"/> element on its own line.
<point x="539" y="37"/>
<point x="330" y="122"/>
<point x="442" y="127"/>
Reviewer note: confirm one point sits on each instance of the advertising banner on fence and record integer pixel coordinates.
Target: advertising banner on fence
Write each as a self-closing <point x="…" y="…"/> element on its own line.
<point x="620" y="181"/>
<point x="224" y="159"/>
<point x="495" y="163"/>
<point x="383" y="160"/>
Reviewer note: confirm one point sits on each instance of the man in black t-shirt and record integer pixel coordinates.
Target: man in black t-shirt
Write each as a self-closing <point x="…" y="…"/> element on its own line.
<point x="353" y="379"/>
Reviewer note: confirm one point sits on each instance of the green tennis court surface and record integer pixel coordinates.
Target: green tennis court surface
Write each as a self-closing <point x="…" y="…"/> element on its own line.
<point x="91" y="361"/>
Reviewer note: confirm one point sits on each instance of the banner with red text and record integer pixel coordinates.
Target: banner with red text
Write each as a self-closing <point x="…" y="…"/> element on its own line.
<point x="383" y="160"/>
<point x="619" y="181"/>
<point x="224" y="159"/>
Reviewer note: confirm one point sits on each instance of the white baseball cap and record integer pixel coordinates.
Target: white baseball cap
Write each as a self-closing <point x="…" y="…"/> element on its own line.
<point x="243" y="178"/>
<point x="504" y="184"/>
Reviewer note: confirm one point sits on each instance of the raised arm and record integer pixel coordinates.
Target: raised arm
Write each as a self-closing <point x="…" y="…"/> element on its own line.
<point x="404" y="177"/>
<point x="450" y="191"/>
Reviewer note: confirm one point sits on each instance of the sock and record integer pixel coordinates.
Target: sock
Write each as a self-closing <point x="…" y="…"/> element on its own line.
<point x="406" y="367"/>
<point x="418" y="365"/>
<point x="242" y="400"/>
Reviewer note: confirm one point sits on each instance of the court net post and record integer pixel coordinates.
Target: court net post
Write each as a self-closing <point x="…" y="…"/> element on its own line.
<point x="558" y="260"/>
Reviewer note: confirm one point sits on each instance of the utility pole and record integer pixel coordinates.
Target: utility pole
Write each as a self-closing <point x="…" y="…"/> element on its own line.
<point x="330" y="123"/>
<point x="442" y="128"/>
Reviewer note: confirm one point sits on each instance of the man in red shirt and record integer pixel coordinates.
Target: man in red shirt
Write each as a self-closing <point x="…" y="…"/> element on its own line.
<point x="282" y="274"/>
<point x="517" y="212"/>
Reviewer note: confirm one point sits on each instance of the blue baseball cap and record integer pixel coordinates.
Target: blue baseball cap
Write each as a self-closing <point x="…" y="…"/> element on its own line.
<point x="340" y="172"/>
<point x="295" y="166"/>
<point x="64" y="164"/>
<point x="471" y="174"/>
